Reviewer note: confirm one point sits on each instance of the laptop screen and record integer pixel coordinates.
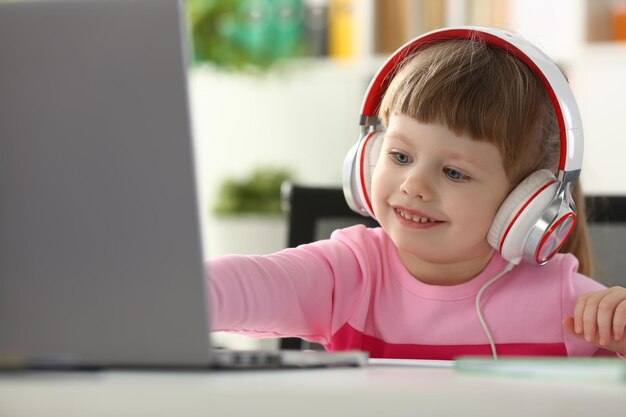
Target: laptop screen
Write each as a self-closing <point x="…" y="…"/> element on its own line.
<point x="100" y="252"/>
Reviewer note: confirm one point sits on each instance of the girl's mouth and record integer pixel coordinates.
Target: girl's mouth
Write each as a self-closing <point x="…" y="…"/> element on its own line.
<point x="413" y="220"/>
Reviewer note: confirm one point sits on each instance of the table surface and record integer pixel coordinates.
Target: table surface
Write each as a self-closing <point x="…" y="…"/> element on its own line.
<point x="375" y="390"/>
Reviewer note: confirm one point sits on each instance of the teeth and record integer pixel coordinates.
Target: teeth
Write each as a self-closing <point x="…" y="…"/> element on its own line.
<point x="414" y="218"/>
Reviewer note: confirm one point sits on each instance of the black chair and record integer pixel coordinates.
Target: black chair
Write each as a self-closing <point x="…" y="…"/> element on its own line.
<point x="607" y="229"/>
<point x="313" y="213"/>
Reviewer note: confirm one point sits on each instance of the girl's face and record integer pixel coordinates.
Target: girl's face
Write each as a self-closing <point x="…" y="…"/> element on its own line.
<point x="436" y="193"/>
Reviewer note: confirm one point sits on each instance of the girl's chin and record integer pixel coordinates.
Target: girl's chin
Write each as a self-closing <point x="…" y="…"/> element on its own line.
<point x="440" y="254"/>
<point x="430" y="254"/>
<point x="427" y="258"/>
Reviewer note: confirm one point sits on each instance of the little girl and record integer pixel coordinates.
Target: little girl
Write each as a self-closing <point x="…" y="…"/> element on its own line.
<point x="465" y="121"/>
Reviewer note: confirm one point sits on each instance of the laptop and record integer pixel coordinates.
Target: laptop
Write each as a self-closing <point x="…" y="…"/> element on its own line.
<point x="100" y="250"/>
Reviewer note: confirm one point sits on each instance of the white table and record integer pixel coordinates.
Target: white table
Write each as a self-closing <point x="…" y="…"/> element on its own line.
<point x="371" y="391"/>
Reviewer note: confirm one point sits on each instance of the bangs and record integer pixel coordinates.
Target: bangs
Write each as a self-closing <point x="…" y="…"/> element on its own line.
<point x="472" y="88"/>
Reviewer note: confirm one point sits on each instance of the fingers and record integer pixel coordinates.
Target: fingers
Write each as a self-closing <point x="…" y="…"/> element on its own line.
<point x="606" y="310"/>
<point x="600" y="316"/>
<point x="590" y="316"/>
<point x="619" y="321"/>
<point x="578" y="313"/>
<point x="586" y="315"/>
<point x="616" y="346"/>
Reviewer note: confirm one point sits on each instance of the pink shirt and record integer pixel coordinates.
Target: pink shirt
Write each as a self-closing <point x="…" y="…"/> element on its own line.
<point x="353" y="292"/>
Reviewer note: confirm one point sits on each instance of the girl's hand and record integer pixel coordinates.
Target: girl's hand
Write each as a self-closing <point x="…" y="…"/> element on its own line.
<point x="600" y="318"/>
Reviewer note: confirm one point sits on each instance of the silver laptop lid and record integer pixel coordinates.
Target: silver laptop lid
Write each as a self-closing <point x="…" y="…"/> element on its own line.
<point x="100" y="254"/>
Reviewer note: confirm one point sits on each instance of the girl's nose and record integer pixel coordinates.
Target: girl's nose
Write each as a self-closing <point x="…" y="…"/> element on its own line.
<point x="416" y="185"/>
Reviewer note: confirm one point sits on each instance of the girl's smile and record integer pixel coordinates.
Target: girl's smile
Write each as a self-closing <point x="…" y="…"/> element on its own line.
<point x="415" y="219"/>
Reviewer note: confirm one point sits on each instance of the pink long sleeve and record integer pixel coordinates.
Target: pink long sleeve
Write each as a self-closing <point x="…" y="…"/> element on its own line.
<point x="353" y="292"/>
<point x="290" y="293"/>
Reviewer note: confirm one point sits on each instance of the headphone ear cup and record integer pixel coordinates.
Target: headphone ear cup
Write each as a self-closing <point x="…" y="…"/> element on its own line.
<point x="519" y="213"/>
<point x="350" y="189"/>
<point x="370" y="155"/>
<point x="358" y="168"/>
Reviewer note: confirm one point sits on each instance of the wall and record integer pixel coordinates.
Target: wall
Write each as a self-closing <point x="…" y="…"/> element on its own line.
<point x="305" y="118"/>
<point x="601" y="92"/>
<point x="576" y="33"/>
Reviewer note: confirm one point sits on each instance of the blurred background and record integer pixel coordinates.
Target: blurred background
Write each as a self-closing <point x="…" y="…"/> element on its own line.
<point x="276" y="88"/>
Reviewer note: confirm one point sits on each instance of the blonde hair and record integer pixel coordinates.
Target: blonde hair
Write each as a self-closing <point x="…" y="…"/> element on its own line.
<point x="483" y="91"/>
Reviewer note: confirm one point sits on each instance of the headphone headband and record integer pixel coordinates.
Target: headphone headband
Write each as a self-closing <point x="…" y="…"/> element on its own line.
<point x="568" y="115"/>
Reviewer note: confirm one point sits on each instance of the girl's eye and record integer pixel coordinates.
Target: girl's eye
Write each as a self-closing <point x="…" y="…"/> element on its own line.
<point x="455" y="175"/>
<point x="400" y="158"/>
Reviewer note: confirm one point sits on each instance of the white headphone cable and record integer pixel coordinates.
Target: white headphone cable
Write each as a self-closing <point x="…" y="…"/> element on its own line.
<point x="506" y="269"/>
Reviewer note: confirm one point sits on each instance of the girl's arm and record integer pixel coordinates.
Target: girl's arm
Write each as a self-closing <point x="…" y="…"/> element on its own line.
<point x="600" y="318"/>
<point x="290" y="293"/>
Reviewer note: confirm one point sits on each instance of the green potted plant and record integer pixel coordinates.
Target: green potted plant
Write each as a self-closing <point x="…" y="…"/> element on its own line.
<point x="259" y="193"/>
<point x="248" y="215"/>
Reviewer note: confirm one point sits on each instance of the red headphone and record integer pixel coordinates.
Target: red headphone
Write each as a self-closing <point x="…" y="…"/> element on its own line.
<point x="538" y="216"/>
